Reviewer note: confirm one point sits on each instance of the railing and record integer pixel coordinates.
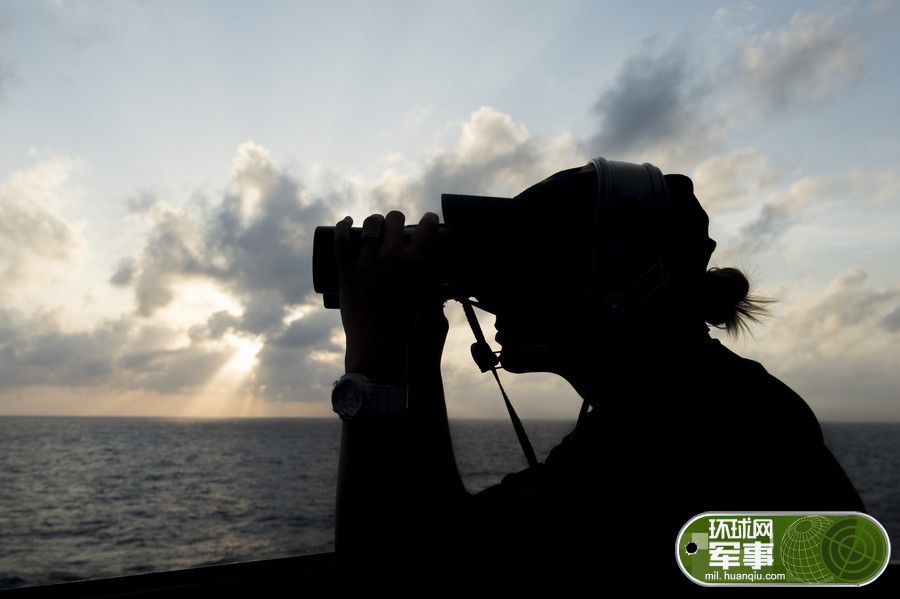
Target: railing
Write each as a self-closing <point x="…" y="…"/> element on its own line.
<point x="292" y="576"/>
<point x="304" y="576"/>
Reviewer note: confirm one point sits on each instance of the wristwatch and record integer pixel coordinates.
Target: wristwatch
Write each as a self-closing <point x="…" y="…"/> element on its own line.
<point x="355" y="397"/>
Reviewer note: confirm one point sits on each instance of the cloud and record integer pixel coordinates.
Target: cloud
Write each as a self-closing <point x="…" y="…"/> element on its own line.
<point x="659" y="109"/>
<point x="779" y="213"/>
<point x="308" y="331"/>
<point x="211" y="278"/>
<point x="732" y="181"/>
<point x="184" y="369"/>
<point x="141" y="202"/>
<point x="124" y="354"/>
<point x="839" y="348"/>
<point x="7" y="76"/>
<point x="891" y="322"/>
<point x="492" y="155"/>
<point x="254" y="243"/>
<point x="36" y="350"/>
<point x="252" y="239"/>
<point x="215" y="327"/>
<point x="801" y="64"/>
<point x="124" y="273"/>
<point x="35" y="240"/>
<point x="289" y="374"/>
<point x="38" y="346"/>
<point x="847" y="302"/>
<point x="887" y="12"/>
<point x="783" y="209"/>
<point x="300" y="362"/>
<point x="667" y="103"/>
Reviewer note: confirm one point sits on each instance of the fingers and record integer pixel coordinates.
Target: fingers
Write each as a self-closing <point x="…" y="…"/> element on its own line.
<point x="370" y="238"/>
<point x="385" y="233"/>
<point x="342" y="251"/>
<point x="424" y="241"/>
<point x="372" y="227"/>
<point x="393" y="230"/>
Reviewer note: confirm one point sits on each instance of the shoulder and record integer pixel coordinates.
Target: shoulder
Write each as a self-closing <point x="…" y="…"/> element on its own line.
<point x="725" y="360"/>
<point x="747" y="385"/>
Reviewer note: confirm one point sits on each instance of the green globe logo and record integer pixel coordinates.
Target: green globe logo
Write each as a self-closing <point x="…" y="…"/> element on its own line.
<point x="854" y="549"/>
<point x="820" y="549"/>
<point x="801" y="549"/>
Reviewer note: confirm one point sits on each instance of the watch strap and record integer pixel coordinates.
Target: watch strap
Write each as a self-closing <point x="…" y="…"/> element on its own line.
<point x="385" y="399"/>
<point x="373" y="399"/>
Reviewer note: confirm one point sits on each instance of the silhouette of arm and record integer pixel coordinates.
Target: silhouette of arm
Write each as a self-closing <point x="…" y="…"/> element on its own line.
<point x="397" y="475"/>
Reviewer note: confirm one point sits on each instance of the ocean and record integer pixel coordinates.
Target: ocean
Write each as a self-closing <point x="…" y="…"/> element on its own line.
<point x="99" y="497"/>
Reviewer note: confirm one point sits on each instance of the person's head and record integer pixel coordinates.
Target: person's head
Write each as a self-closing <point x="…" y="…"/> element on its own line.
<point x="608" y="252"/>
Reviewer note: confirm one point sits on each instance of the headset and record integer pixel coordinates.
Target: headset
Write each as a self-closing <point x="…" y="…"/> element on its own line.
<point x="619" y="183"/>
<point x="619" y="186"/>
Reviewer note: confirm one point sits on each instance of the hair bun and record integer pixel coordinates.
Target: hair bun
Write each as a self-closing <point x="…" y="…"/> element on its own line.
<point x="727" y="302"/>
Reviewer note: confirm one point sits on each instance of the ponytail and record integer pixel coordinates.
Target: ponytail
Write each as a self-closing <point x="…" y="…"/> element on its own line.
<point x="727" y="301"/>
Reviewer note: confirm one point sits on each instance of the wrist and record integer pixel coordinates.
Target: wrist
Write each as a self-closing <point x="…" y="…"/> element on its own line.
<point x="356" y="397"/>
<point x="382" y="367"/>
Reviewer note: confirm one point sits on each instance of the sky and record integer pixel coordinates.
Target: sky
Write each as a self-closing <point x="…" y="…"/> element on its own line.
<point x="164" y="165"/>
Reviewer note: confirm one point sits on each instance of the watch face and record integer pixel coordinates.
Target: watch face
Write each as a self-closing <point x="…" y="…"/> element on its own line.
<point x="347" y="399"/>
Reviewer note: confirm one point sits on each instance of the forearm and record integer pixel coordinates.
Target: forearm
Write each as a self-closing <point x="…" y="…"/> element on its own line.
<point x="398" y="479"/>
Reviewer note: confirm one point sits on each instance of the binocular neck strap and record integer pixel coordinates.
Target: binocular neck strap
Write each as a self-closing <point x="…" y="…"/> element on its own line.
<point x="486" y="360"/>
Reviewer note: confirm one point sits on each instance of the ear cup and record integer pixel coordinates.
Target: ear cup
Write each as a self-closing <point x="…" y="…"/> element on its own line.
<point x="629" y="234"/>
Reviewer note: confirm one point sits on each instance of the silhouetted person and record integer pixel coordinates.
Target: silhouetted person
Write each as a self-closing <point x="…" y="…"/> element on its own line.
<point x="674" y="425"/>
